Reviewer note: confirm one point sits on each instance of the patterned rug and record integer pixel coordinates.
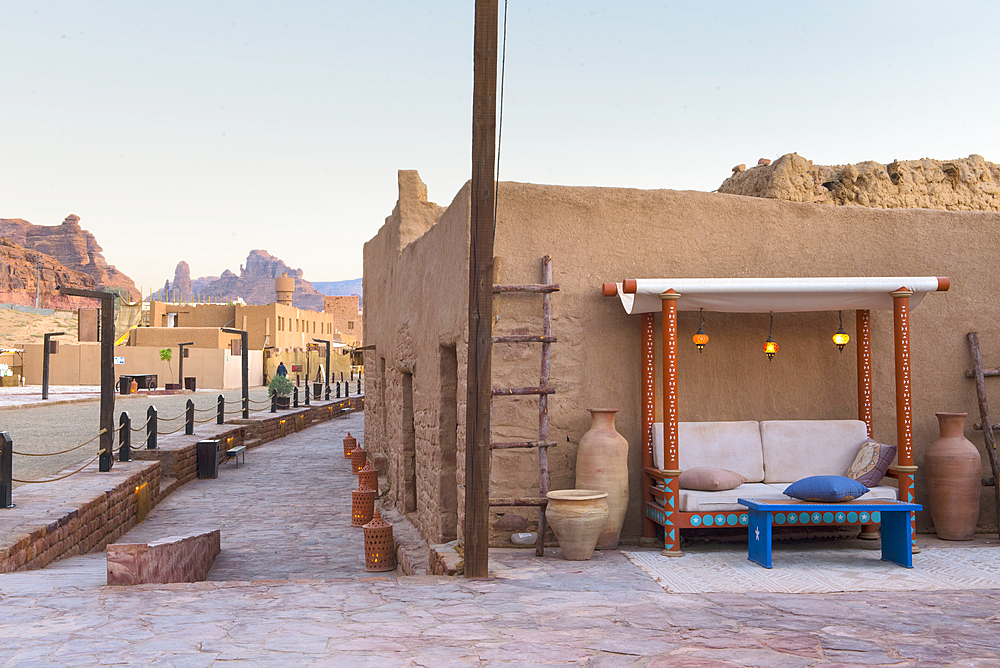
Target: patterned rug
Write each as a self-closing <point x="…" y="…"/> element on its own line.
<point x="817" y="569"/>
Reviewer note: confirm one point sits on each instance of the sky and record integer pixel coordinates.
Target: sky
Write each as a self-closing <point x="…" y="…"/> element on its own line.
<point x="198" y="131"/>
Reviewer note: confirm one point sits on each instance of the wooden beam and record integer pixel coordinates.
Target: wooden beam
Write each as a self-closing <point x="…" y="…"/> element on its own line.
<point x="478" y="379"/>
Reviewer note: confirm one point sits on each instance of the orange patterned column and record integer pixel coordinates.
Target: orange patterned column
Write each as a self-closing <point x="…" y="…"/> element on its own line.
<point x="671" y="529"/>
<point x="904" y="419"/>
<point x="648" y="415"/>
<point x="864" y="346"/>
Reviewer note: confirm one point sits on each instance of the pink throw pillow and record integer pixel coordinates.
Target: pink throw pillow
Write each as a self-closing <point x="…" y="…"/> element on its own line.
<point x="710" y="479"/>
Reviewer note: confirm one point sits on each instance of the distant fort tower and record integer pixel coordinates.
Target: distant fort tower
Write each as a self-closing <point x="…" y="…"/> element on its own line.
<point x="284" y="287"/>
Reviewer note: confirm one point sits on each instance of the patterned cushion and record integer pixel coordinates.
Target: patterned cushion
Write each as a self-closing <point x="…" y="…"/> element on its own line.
<point x="710" y="479"/>
<point x="826" y="488"/>
<point x="871" y="463"/>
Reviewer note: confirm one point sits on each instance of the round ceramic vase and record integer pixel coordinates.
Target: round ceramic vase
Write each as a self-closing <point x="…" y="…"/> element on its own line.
<point x="577" y="518"/>
<point x="953" y="469"/>
<point x="602" y="464"/>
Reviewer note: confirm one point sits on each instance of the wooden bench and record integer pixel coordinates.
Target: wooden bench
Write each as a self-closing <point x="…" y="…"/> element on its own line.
<point x="234" y="453"/>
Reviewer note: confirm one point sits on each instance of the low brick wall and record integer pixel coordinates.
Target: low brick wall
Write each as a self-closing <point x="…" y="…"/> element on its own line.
<point x="95" y="509"/>
<point x="173" y="559"/>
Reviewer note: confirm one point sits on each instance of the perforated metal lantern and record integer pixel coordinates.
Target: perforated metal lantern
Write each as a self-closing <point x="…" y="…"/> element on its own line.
<point x="349" y="444"/>
<point x="368" y="477"/>
<point x="359" y="457"/>
<point x="362" y="506"/>
<point x="380" y="548"/>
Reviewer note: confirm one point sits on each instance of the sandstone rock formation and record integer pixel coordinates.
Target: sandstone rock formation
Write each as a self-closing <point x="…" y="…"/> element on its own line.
<point x="74" y="247"/>
<point x="967" y="184"/>
<point x="255" y="283"/>
<point x="17" y="280"/>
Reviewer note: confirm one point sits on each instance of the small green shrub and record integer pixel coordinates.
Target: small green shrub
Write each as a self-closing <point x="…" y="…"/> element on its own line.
<point x="281" y="386"/>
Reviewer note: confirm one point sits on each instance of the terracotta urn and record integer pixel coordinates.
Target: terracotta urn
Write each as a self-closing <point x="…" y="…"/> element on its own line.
<point x="953" y="469"/>
<point x="577" y="518"/>
<point x="602" y="464"/>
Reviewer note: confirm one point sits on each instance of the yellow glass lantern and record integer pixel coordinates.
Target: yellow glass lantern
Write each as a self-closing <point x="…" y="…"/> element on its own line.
<point x="700" y="338"/>
<point x="841" y="338"/>
<point x="770" y="346"/>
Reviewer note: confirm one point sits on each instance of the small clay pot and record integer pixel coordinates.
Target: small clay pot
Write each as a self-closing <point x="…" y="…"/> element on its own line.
<point x="577" y="518"/>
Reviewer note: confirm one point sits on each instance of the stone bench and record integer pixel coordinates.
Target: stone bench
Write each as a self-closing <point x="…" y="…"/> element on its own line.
<point x="172" y="559"/>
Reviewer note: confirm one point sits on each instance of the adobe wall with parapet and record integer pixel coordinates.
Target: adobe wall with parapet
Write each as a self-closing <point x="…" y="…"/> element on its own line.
<point x="416" y="303"/>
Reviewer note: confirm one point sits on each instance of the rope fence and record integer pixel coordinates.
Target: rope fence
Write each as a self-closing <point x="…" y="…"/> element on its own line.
<point x="63" y="477"/>
<point x="163" y="419"/>
<point x="167" y="433"/>
<point x="205" y="410"/>
<point x="143" y="427"/>
<point x="61" y="452"/>
<point x="211" y="419"/>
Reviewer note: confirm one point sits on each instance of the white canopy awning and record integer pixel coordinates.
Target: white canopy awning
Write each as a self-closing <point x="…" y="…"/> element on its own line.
<point x="761" y="295"/>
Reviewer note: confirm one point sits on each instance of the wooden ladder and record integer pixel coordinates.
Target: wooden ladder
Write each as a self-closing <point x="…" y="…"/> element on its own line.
<point x="545" y="288"/>
<point x="985" y="424"/>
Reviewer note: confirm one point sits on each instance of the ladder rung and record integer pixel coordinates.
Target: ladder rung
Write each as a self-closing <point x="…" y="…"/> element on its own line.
<point x="518" y="391"/>
<point x="978" y="426"/>
<point x="527" y="287"/>
<point x="519" y="501"/>
<point x="986" y="373"/>
<point x="522" y="444"/>
<point x="522" y="338"/>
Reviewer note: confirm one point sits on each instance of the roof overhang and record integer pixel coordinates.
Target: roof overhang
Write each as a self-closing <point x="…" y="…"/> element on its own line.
<point x="761" y="295"/>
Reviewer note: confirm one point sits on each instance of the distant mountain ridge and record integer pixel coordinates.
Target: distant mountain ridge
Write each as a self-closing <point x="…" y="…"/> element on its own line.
<point x="334" y="288"/>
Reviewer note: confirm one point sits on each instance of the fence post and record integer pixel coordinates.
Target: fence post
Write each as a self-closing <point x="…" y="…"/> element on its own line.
<point x="124" y="438"/>
<point x="338" y="389"/>
<point x="274" y="401"/>
<point x="295" y="397"/>
<point x="6" y="469"/>
<point x="359" y="385"/>
<point x="221" y="418"/>
<point x="151" y="428"/>
<point x="326" y="393"/>
<point x="189" y="419"/>
<point x="308" y="392"/>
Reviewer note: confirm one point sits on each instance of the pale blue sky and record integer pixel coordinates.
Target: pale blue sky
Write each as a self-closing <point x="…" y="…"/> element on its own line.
<point x="198" y="131"/>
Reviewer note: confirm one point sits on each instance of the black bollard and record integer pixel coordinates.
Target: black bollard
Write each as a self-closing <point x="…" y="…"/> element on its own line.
<point x="326" y="393"/>
<point x="189" y="420"/>
<point x="338" y="389"/>
<point x="274" y="401"/>
<point x="124" y="438"/>
<point x="352" y="373"/>
<point x="151" y="420"/>
<point x="221" y="418"/>
<point x="6" y="470"/>
<point x="295" y="397"/>
<point x="308" y="392"/>
<point x="359" y="386"/>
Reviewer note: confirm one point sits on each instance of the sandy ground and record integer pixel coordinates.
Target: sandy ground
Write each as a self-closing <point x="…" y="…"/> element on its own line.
<point x="17" y="329"/>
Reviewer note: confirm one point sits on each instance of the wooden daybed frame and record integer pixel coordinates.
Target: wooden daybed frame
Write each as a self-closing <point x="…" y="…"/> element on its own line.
<point x="762" y="295"/>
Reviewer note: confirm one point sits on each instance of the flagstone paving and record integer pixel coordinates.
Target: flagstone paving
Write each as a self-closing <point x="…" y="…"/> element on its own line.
<point x="284" y="518"/>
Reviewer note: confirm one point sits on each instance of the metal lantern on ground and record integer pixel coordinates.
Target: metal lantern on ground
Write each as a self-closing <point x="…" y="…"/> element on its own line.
<point x="841" y="338"/>
<point x="359" y="457"/>
<point x="700" y="338"/>
<point x="368" y="476"/>
<point x="349" y="444"/>
<point x="380" y="548"/>
<point x="362" y="506"/>
<point x="770" y="346"/>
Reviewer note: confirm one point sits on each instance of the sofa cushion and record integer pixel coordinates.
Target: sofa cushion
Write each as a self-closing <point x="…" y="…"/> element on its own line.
<point x="826" y="489"/>
<point x="710" y="479"/>
<point x="796" y="449"/>
<point x="729" y="445"/>
<point x="871" y="462"/>
<point x="877" y="492"/>
<point x="695" y="501"/>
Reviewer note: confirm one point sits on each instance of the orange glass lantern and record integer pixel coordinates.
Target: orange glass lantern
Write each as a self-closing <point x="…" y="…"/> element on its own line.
<point x="349" y="444"/>
<point x="380" y="548"/>
<point x="700" y="338"/>
<point x="841" y="338"/>
<point x="770" y="346"/>
<point x="368" y="477"/>
<point x="359" y="457"/>
<point x="362" y="506"/>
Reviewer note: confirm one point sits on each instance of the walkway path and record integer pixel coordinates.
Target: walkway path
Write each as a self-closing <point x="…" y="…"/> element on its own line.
<point x="284" y="518"/>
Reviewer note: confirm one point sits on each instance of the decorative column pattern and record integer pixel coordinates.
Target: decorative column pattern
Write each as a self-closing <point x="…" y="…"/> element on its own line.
<point x="648" y="415"/>
<point x="671" y="529"/>
<point x="864" y="347"/>
<point x="904" y="420"/>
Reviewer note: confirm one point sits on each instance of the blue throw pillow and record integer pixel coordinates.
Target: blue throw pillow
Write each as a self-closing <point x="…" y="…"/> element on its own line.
<point x="826" y="488"/>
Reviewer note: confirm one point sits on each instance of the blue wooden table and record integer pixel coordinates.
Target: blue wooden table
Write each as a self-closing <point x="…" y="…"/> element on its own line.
<point x="894" y="516"/>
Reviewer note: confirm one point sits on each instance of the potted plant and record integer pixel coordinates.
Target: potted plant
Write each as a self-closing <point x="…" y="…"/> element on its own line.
<point x="282" y="387"/>
<point x="167" y="354"/>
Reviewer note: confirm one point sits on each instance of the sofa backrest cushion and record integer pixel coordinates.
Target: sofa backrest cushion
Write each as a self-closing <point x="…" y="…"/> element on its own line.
<point x="796" y="449"/>
<point x="728" y="445"/>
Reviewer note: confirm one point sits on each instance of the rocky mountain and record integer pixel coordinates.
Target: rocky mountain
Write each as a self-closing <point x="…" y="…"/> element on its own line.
<point x="335" y="288"/>
<point x="255" y="283"/>
<point x="72" y="246"/>
<point x="17" y="281"/>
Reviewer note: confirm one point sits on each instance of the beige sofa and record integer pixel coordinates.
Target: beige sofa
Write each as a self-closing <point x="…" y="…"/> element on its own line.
<point x="771" y="455"/>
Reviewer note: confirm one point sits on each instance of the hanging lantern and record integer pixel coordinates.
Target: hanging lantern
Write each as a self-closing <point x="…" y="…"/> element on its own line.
<point x="380" y="548"/>
<point x="362" y="506"/>
<point x="368" y="476"/>
<point x="359" y="457"/>
<point x="349" y="444"/>
<point x="770" y="346"/>
<point x="700" y="338"/>
<point x="841" y="338"/>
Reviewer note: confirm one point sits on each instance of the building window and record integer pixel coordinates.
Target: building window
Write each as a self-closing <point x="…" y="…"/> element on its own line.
<point x="350" y="324"/>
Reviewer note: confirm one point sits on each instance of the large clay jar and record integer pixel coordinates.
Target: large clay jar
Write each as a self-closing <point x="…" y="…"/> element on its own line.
<point x="602" y="463"/>
<point x="577" y="518"/>
<point x="953" y="469"/>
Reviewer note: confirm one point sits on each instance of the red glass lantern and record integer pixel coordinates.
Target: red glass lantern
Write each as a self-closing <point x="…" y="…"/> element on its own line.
<point x="770" y="346"/>
<point x="349" y="444"/>
<point x="368" y="477"/>
<point x="359" y="457"/>
<point x="380" y="548"/>
<point x="362" y="506"/>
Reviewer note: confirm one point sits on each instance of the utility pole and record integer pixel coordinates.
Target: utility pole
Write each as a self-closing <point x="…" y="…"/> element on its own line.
<point x="479" y="381"/>
<point x="38" y="281"/>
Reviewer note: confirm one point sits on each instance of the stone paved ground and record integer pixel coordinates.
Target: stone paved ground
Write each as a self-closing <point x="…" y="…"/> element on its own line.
<point x="533" y="612"/>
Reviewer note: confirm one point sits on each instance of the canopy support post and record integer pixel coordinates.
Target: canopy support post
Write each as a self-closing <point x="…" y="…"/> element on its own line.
<point x="648" y="415"/>
<point x="671" y="528"/>
<point x="904" y="419"/>
<point x="863" y="318"/>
